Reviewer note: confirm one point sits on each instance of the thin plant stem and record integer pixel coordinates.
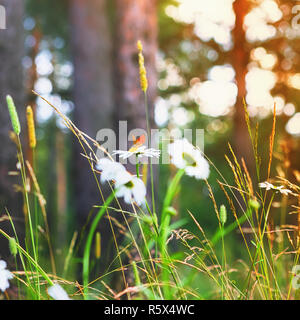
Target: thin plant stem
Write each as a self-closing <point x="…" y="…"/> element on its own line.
<point x="87" y="249"/>
<point x="32" y="260"/>
<point x="137" y="167"/>
<point x="223" y="258"/>
<point x="24" y="181"/>
<point x="149" y="145"/>
<point x="164" y="228"/>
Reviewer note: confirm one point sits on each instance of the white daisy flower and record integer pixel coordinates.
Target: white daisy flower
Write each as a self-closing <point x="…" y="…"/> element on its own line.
<point x="109" y="169"/>
<point x="127" y="186"/>
<point x="282" y="190"/>
<point x="268" y="186"/>
<point x="185" y="156"/>
<point x="5" y="275"/>
<point x="130" y="188"/>
<point x="139" y="151"/>
<point x="58" y="293"/>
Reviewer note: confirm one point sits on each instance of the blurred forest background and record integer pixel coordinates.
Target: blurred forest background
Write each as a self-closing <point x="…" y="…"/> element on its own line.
<point x="202" y="57"/>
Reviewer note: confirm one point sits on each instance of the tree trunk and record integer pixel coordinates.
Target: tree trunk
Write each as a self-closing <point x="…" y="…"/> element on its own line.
<point x="240" y="60"/>
<point x="91" y="44"/>
<point x="135" y="20"/>
<point x="11" y="82"/>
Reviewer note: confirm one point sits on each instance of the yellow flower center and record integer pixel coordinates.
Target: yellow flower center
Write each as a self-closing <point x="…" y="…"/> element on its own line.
<point x="129" y="184"/>
<point x="134" y="148"/>
<point x="189" y="159"/>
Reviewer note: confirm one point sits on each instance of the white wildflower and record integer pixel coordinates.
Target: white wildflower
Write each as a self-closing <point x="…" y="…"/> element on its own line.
<point x="58" y="293"/>
<point x="269" y="186"/>
<point x="139" y="151"/>
<point x="130" y="188"/>
<point x="185" y="156"/>
<point x="282" y="190"/>
<point x="18" y="165"/>
<point x="127" y="186"/>
<point x="109" y="169"/>
<point x="5" y="275"/>
<point x="266" y="185"/>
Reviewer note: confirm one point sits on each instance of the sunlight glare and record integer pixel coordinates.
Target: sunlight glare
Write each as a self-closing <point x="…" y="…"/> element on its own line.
<point x="293" y="125"/>
<point x="258" y="19"/>
<point x="259" y="83"/>
<point x="212" y="19"/>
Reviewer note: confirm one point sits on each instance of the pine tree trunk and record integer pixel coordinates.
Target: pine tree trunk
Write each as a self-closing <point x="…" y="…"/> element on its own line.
<point x="92" y="92"/>
<point x="11" y="82"/>
<point x="135" y="20"/>
<point x="240" y="60"/>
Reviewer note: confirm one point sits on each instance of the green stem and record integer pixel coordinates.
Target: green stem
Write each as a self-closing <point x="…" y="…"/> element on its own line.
<point x="36" y="216"/>
<point x="87" y="249"/>
<point x="168" y="200"/>
<point x="218" y="235"/>
<point x="39" y="269"/>
<point x="149" y="145"/>
<point x="24" y="180"/>
<point x="164" y="230"/>
<point x="137" y="167"/>
<point x="223" y="258"/>
<point x="20" y="253"/>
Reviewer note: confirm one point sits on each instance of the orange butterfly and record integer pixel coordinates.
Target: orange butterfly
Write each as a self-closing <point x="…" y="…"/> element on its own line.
<point x="137" y="142"/>
<point x="140" y="140"/>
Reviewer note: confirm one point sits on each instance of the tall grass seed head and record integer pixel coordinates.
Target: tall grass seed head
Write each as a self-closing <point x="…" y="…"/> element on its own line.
<point x="13" y="246"/>
<point x="254" y="204"/>
<point x="136" y="273"/>
<point x="31" y="127"/>
<point x="139" y="45"/>
<point x="98" y="245"/>
<point x="143" y="72"/>
<point x="13" y="115"/>
<point x="223" y="214"/>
